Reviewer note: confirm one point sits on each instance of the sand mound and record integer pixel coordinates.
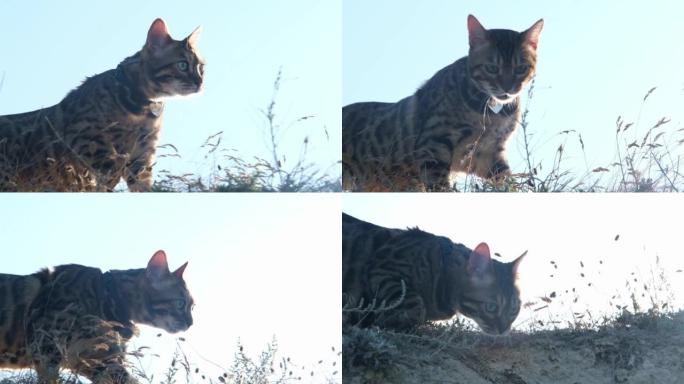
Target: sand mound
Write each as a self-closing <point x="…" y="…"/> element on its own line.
<point x="635" y="349"/>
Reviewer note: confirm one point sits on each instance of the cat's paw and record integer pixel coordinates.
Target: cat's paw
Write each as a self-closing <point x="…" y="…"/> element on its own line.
<point x="140" y="186"/>
<point x="499" y="171"/>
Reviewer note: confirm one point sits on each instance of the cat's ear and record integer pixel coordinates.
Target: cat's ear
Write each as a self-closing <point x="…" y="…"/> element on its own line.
<point x="157" y="267"/>
<point x="515" y="263"/>
<point x="158" y="36"/>
<point x="479" y="261"/>
<point x="179" y="272"/>
<point x="477" y="34"/>
<point x="531" y="36"/>
<point x="194" y="36"/>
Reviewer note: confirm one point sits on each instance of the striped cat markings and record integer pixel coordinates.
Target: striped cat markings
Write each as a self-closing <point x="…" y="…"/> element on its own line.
<point x="459" y="121"/>
<point x="79" y="318"/>
<point x="107" y="128"/>
<point x="400" y="279"/>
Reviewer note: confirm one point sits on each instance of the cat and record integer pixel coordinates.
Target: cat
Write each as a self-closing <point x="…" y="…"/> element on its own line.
<point x="79" y="318"/>
<point x="400" y="279"/>
<point x="107" y="128"/>
<point x="458" y="121"/>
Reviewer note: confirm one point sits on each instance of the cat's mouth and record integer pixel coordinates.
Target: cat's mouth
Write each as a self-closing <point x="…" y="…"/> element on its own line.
<point x="190" y="89"/>
<point x="175" y="328"/>
<point x="505" y="97"/>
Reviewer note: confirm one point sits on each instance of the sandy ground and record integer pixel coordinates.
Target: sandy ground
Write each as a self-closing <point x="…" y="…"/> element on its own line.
<point x="636" y="351"/>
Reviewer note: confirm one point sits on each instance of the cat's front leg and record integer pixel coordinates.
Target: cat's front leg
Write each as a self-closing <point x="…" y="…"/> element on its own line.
<point x="47" y="370"/>
<point x="409" y="314"/>
<point x="112" y="373"/>
<point x="42" y="345"/>
<point x="489" y="159"/>
<point x="495" y="168"/>
<point x="98" y="350"/>
<point x="435" y="176"/>
<point x="139" y="173"/>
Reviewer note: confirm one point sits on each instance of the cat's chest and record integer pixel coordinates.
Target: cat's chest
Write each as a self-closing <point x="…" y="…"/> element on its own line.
<point x="133" y="130"/>
<point x="498" y="126"/>
<point x="149" y="117"/>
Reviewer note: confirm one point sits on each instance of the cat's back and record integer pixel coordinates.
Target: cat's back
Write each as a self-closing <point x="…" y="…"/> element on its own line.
<point x="92" y="88"/>
<point x="354" y="109"/>
<point x="17" y="290"/>
<point x="355" y="231"/>
<point x="69" y="277"/>
<point x="364" y="116"/>
<point x="100" y="98"/>
<point x="364" y="243"/>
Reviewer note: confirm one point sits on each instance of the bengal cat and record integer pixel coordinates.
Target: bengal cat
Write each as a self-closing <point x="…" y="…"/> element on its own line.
<point x="79" y="318"/>
<point x="107" y="128"/>
<point x="458" y="121"/>
<point x="400" y="279"/>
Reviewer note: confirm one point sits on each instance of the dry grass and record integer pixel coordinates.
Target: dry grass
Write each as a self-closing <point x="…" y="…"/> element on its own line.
<point x="556" y="335"/>
<point x="267" y="367"/>
<point x="231" y="172"/>
<point x="645" y="159"/>
<point x="224" y="168"/>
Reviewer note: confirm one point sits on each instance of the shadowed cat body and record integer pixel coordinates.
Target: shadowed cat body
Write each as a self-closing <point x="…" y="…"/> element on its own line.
<point x="400" y="279"/>
<point x="79" y="318"/>
<point x="458" y="121"/>
<point x="106" y="129"/>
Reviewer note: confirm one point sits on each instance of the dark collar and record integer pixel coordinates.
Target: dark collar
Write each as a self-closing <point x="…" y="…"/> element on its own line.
<point x="130" y="96"/>
<point x="478" y="101"/>
<point x="116" y="306"/>
<point x="446" y="282"/>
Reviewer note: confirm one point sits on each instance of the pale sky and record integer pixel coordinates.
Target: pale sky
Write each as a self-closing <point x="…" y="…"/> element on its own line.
<point x="259" y="265"/>
<point x="596" y="61"/>
<point x="564" y="228"/>
<point x="50" y="47"/>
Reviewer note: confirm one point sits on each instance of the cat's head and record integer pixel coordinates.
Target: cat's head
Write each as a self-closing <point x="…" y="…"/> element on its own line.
<point x="490" y="296"/>
<point x="500" y="61"/>
<point x="167" y="301"/>
<point x="170" y="67"/>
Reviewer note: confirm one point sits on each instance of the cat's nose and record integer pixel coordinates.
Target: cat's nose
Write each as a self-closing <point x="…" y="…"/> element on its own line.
<point x="514" y="90"/>
<point x="503" y="329"/>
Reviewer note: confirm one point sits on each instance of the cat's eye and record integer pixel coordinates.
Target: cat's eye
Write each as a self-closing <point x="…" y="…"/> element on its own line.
<point x="491" y="69"/>
<point x="180" y="304"/>
<point x="182" y="66"/>
<point x="521" y="69"/>
<point x="490" y="307"/>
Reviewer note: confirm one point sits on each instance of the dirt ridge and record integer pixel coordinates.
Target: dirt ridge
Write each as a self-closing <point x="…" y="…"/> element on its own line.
<point x="635" y="349"/>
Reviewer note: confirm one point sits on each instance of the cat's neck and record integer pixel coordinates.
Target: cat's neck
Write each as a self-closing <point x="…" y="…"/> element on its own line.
<point x="122" y="289"/>
<point x="449" y="285"/>
<point x="129" y="76"/>
<point x="478" y="99"/>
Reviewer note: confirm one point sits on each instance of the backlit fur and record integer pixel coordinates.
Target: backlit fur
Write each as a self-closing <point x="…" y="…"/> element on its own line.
<point x="421" y="277"/>
<point x="79" y="318"/>
<point x="452" y="124"/>
<point x="106" y="129"/>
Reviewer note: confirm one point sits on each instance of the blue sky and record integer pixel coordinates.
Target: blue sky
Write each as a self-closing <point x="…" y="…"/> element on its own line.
<point x="50" y="47"/>
<point x="259" y="265"/>
<point x="596" y="62"/>
<point x="576" y="231"/>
